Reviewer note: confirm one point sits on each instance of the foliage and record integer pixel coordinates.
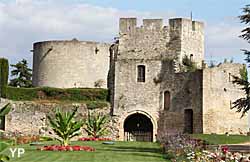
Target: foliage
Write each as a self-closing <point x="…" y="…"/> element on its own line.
<point x="3" y="157"/>
<point x="245" y="18"/>
<point x="47" y="93"/>
<point x="94" y="139"/>
<point x="45" y="138"/>
<point x="243" y="104"/>
<point x="22" y="74"/>
<point x="4" y="74"/>
<point x="5" y="110"/>
<point x="221" y="154"/>
<point x="96" y="125"/>
<point x="95" y="104"/>
<point x="189" y="65"/>
<point x="181" y="147"/>
<point x="65" y="126"/>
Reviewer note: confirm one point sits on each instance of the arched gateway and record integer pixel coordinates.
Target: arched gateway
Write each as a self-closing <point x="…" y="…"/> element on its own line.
<point x="138" y="127"/>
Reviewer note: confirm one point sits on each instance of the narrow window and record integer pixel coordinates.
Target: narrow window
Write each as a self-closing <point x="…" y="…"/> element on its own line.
<point x="192" y="57"/>
<point x="166" y="100"/>
<point x="141" y="73"/>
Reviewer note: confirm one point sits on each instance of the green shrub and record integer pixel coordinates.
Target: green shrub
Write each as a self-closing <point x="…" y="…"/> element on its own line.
<point x="96" y="104"/>
<point x="72" y="94"/>
<point x="4" y="74"/>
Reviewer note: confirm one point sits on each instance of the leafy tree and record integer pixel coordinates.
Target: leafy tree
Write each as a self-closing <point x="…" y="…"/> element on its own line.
<point x="65" y="126"/>
<point x="96" y="125"/>
<point x="22" y="74"/>
<point x="243" y="104"/>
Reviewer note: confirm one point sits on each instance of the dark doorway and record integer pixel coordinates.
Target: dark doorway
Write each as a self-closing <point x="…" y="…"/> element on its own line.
<point x="138" y="127"/>
<point x="188" y="118"/>
<point x="2" y="122"/>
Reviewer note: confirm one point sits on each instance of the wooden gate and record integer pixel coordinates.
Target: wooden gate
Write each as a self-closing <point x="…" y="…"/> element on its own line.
<point x="138" y="127"/>
<point x="140" y="136"/>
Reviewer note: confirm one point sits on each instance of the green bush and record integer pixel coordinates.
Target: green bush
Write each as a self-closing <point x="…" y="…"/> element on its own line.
<point x="72" y="94"/>
<point x="96" y="104"/>
<point x="4" y="74"/>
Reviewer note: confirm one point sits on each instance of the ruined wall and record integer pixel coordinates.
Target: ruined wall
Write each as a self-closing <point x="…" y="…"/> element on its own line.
<point x="68" y="64"/>
<point x="185" y="93"/>
<point x="29" y="117"/>
<point x="218" y="94"/>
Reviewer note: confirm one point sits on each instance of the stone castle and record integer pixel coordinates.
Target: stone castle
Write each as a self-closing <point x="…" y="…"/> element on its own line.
<point x="143" y="69"/>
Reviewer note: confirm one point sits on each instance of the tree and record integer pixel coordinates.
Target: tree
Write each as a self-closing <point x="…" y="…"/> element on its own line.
<point x="65" y="126"/>
<point x="96" y="125"/>
<point x="4" y="74"/>
<point x="22" y="74"/>
<point x="243" y="104"/>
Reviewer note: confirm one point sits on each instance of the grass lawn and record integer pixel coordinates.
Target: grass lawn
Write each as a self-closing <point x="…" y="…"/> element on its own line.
<point x="119" y="152"/>
<point x="222" y="139"/>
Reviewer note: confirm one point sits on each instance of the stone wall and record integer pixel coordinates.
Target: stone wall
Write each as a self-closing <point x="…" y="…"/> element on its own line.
<point x="68" y="64"/>
<point x="185" y="94"/>
<point x="153" y="45"/>
<point x="30" y="118"/>
<point x="218" y="95"/>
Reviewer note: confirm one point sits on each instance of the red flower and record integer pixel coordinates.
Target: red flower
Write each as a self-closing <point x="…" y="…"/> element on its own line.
<point x="66" y="148"/>
<point x="224" y="149"/>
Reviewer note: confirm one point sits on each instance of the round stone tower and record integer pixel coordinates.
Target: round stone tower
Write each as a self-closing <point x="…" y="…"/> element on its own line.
<point x="69" y="64"/>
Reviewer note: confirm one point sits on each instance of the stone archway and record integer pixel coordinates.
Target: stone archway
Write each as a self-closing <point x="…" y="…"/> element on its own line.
<point x="138" y="127"/>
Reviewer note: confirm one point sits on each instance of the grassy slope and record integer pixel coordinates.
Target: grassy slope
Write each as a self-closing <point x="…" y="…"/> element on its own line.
<point x="120" y="152"/>
<point x="222" y="139"/>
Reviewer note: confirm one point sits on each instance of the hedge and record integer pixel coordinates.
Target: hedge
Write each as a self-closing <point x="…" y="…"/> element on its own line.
<point x="46" y="93"/>
<point x="4" y="74"/>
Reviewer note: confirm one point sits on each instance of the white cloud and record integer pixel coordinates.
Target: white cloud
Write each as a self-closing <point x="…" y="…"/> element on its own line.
<point x="23" y="22"/>
<point x="222" y="40"/>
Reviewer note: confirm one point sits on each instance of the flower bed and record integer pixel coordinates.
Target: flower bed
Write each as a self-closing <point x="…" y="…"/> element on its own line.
<point x="94" y="139"/>
<point x="67" y="148"/>
<point x="179" y="147"/>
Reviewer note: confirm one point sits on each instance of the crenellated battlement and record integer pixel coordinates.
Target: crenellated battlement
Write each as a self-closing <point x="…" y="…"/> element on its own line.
<point x="129" y="25"/>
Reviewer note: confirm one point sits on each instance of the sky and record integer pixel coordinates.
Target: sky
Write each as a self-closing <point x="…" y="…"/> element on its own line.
<point x="23" y="22"/>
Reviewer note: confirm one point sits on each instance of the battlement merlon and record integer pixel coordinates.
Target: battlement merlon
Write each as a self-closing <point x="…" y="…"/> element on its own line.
<point x="129" y="25"/>
<point x="186" y="25"/>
